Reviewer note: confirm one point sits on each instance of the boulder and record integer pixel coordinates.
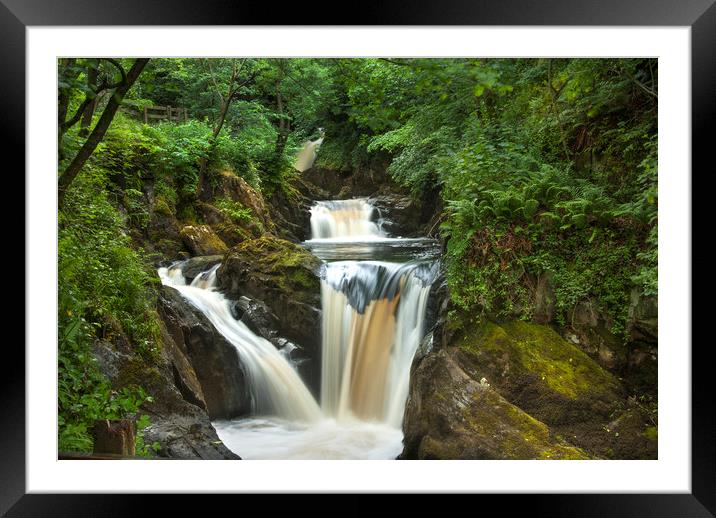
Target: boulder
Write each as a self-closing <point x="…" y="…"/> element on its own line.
<point x="283" y="276"/>
<point x="202" y="240"/>
<point x="196" y="265"/>
<point x="215" y="361"/>
<point x="401" y="215"/>
<point x="539" y="371"/>
<point x="450" y="415"/>
<point x="179" y="422"/>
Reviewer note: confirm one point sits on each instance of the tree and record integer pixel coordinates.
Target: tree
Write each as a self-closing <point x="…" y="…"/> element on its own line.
<point x="229" y="83"/>
<point x="120" y="89"/>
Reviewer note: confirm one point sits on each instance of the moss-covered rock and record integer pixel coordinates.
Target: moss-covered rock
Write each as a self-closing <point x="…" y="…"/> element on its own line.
<point x="202" y="240"/>
<point x="283" y="275"/>
<point x="230" y="186"/>
<point x="536" y="369"/>
<point x="553" y="380"/>
<point x="230" y="231"/>
<point x="450" y="415"/>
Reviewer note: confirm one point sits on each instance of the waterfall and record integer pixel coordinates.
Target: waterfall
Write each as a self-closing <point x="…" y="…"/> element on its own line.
<point x="373" y="316"/>
<point x="374" y="294"/>
<point x="277" y="389"/>
<point x="307" y="155"/>
<point x="345" y="219"/>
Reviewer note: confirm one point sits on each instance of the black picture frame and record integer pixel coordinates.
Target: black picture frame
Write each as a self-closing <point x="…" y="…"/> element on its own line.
<point x="700" y="15"/>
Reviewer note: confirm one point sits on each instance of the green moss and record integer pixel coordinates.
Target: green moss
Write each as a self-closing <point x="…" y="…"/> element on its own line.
<point x="288" y="265"/>
<point x="203" y="240"/>
<point x="563" y="452"/>
<point x="539" y="351"/>
<point x="161" y="206"/>
<point x="651" y="433"/>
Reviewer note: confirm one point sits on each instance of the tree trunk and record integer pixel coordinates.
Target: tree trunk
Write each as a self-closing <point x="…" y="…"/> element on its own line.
<point x="225" y="103"/>
<point x="115" y="436"/>
<point x="89" y="109"/>
<point x="282" y="136"/>
<point x="99" y="130"/>
<point x="63" y="97"/>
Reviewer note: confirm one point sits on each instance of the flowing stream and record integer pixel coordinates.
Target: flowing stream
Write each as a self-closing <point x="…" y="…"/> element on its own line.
<point x="374" y="293"/>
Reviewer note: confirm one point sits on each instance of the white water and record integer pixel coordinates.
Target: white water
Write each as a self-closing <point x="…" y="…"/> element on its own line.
<point x="276" y="387"/>
<point x="369" y="342"/>
<point x="344" y="220"/>
<point x="373" y="321"/>
<point x="307" y="155"/>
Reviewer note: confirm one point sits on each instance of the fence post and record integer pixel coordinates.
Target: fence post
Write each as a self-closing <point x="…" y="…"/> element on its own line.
<point x="186" y="115"/>
<point x="114" y="436"/>
<point x="146" y="118"/>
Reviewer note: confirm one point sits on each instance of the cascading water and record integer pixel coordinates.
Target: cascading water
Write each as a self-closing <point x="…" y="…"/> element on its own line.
<point x="374" y="292"/>
<point x="344" y="220"/>
<point x="307" y="155"/>
<point x="276" y="386"/>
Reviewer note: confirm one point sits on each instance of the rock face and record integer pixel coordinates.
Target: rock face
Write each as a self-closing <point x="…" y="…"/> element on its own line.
<point x="402" y="215"/>
<point x="539" y="371"/>
<point x="214" y="360"/>
<point x="292" y="212"/>
<point x="202" y="240"/>
<point x="196" y="265"/>
<point x="534" y="374"/>
<point x="283" y="276"/>
<point x="179" y="421"/>
<point x="643" y="325"/>
<point x="230" y="186"/>
<point x="449" y="415"/>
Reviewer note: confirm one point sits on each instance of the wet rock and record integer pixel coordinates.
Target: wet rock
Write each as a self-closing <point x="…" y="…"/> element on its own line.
<point x="292" y="212"/>
<point x="402" y="215"/>
<point x="202" y="240"/>
<point x="196" y="265"/>
<point x="215" y="361"/>
<point x="450" y="415"/>
<point x="283" y="276"/>
<point x="328" y="180"/>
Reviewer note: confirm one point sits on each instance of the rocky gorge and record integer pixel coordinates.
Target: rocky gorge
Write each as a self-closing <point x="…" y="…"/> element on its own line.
<point x="479" y="388"/>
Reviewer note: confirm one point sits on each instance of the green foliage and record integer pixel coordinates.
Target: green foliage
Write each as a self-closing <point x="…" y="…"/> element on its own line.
<point x="104" y="293"/>
<point x="545" y="165"/>
<point x="234" y="210"/>
<point x="141" y="448"/>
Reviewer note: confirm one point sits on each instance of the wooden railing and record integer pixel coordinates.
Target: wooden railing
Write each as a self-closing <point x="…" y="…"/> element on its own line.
<point x="167" y="113"/>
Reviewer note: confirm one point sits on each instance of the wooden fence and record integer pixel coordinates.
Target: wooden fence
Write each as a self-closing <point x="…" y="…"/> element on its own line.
<point x="167" y="113"/>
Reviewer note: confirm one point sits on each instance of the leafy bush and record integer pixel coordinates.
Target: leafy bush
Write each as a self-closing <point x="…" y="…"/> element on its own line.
<point x="104" y="293"/>
<point x="234" y="210"/>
